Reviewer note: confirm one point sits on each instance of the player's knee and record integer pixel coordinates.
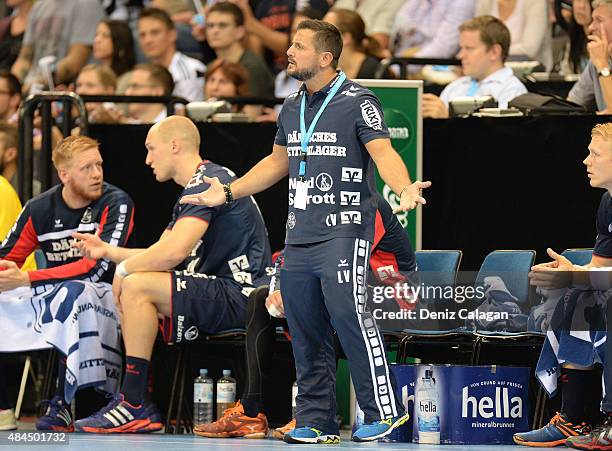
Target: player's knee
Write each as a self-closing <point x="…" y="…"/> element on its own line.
<point x="134" y="291"/>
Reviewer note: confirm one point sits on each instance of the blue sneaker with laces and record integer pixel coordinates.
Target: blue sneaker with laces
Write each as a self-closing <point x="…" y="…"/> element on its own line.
<point x="379" y="429"/>
<point x="57" y="417"/>
<point x="118" y="416"/>
<point x="311" y="435"/>
<point x="555" y="433"/>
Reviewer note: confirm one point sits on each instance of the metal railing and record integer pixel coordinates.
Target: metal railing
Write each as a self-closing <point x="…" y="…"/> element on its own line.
<point x="403" y="63"/>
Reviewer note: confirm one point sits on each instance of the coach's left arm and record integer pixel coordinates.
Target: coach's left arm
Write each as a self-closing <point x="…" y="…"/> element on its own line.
<point x="394" y="173"/>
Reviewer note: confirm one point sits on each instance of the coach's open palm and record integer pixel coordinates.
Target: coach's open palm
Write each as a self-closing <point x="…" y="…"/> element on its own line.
<point x="212" y="197"/>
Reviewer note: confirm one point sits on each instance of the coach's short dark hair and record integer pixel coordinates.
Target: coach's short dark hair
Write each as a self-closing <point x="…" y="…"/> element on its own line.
<point x="159" y="76"/>
<point x="228" y="8"/>
<point x="158" y="14"/>
<point x="327" y="37"/>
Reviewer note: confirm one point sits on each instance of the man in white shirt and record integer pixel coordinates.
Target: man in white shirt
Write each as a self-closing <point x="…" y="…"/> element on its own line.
<point x="484" y="42"/>
<point x="157" y="36"/>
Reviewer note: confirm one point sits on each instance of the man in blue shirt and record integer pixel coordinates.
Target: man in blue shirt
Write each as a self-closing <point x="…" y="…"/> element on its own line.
<point x="196" y="277"/>
<point x="484" y="43"/>
<point x="330" y="230"/>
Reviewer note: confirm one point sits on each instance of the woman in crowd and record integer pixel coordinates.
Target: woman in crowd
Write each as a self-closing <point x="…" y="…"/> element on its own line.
<point x="576" y="24"/>
<point x="12" y="29"/>
<point x="529" y="27"/>
<point x="227" y="79"/>
<point x="114" y="47"/>
<point x="359" y="51"/>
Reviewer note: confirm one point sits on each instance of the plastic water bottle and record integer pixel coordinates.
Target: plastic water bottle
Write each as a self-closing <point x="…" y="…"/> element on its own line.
<point x="203" y="398"/>
<point x="294" y="393"/>
<point x="226" y="393"/>
<point x="428" y="412"/>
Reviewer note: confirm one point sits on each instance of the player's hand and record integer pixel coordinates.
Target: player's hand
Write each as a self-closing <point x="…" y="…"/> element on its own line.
<point x="434" y="107"/>
<point x="274" y="304"/>
<point x="11" y="276"/>
<point x="555" y="274"/>
<point x="212" y="197"/>
<point x="412" y="196"/>
<point x="90" y="245"/>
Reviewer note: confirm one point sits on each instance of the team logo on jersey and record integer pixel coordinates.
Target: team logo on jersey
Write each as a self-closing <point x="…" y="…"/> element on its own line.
<point x="370" y="115"/>
<point x="291" y="220"/>
<point x="351" y="91"/>
<point x="354" y="175"/>
<point x="324" y="182"/>
<point x="350" y="217"/>
<point x="343" y="263"/>
<point x="191" y="333"/>
<point x="58" y="223"/>
<point x="87" y="216"/>
<point x="350" y="198"/>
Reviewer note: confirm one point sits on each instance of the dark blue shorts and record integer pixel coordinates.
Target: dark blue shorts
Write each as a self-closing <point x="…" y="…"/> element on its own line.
<point x="203" y="305"/>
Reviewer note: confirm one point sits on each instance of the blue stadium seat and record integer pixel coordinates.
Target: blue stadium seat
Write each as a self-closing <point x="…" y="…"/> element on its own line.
<point x="578" y="256"/>
<point x="512" y="266"/>
<point x="438" y="267"/>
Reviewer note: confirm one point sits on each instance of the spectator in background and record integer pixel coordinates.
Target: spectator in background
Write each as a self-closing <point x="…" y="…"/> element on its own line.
<point x="148" y="80"/>
<point x="8" y="160"/>
<point x="64" y="29"/>
<point x="225" y="32"/>
<point x="429" y="29"/>
<point x="113" y="46"/>
<point x="10" y="96"/>
<point x="485" y="42"/>
<point x="378" y="16"/>
<point x="283" y="83"/>
<point x="12" y="29"/>
<point x="181" y="12"/>
<point x="529" y="27"/>
<point x="594" y="88"/>
<point x="158" y="36"/>
<point x="227" y="79"/>
<point x="268" y="27"/>
<point x="575" y="54"/>
<point x="94" y="80"/>
<point x="359" y="51"/>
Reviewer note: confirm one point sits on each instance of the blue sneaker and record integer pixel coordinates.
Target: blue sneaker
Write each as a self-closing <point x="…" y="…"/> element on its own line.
<point x="379" y="429"/>
<point x="555" y="433"/>
<point x="117" y="416"/>
<point x="57" y="417"/>
<point x="311" y="435"/>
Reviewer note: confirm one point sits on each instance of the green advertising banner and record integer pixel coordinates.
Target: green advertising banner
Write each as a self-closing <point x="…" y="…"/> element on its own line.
<point x="401" y="102"/>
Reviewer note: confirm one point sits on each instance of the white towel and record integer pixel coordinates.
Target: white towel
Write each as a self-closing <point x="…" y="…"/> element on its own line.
<point x="77" y="318"/>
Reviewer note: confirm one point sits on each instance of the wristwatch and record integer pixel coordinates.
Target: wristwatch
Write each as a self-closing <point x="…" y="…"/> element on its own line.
<point x="605" y="72"/>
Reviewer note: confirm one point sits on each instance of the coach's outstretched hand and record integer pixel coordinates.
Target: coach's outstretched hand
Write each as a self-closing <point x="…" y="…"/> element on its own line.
<point x="412" y="196"/>
<point x="212" y="197"/>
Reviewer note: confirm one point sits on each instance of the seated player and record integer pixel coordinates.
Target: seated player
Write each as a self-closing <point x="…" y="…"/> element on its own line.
<point x="82" y="202"/>
<point x="580" y="380"/>
<point x="391" y="252"/>
<point x="196" y="277"/>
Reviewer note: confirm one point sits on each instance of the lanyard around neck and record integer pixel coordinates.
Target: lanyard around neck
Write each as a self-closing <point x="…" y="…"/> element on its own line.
<point x="306" y="135"/>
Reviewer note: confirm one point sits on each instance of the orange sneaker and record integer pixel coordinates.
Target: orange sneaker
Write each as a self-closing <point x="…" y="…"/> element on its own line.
<point x="234" y="423"/>
<point x="279" y="433"/>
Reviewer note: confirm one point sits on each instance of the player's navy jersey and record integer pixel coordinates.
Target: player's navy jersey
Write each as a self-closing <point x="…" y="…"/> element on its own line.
<point x="339" y="175"/>
<point x="603" y="243"/>
<point x="46" y="222"/>
<point x="235" y="244"/>
<point x="392" y="256"/>
<point x="392" y="251"/>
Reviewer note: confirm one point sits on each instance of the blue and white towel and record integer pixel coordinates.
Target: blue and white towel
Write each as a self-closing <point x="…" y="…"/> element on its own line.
<point x="576" y="334"/>
<point x="77" y="318"/>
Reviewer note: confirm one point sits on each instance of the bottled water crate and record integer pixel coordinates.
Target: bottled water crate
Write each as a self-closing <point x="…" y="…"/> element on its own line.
<point x="454" y="404"/>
